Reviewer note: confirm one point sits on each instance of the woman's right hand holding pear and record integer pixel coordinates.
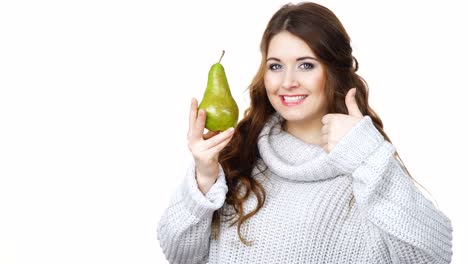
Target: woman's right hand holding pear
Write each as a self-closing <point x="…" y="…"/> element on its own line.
<point x="205" y="148"/>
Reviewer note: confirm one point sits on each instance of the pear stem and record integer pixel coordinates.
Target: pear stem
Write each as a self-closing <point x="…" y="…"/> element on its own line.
<point x="221" y="57"/>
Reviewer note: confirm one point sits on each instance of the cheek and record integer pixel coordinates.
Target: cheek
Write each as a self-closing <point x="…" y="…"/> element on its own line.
<point x="314" y="83"/>
<point x="323" y="100"/>
<point x="269" y="87"/>
<point x="271" y="92"/>
<point x="271" y="95"/>
<point x="271" y="81"/>
<point x="317" y="89"/>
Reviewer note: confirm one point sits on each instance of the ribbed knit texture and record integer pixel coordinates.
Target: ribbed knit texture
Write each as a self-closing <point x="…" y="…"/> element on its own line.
<point x="309" y="215"/>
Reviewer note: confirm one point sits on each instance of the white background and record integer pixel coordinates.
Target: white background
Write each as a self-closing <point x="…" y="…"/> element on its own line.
<point x="95" y="95"/>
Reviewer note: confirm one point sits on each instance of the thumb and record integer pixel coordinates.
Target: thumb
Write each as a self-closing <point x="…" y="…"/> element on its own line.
<point x="351" y="104"/>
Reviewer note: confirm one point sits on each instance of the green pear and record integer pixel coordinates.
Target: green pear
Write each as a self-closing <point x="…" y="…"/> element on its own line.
<point x="220" y="107"/>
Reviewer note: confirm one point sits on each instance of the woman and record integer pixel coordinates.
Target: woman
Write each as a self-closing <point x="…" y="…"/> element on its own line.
<point x="308" y="175"/>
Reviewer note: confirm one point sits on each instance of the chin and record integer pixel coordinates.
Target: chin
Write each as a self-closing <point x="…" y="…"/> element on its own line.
<point x="293" y="117"/>
<point x="298" y="116"/>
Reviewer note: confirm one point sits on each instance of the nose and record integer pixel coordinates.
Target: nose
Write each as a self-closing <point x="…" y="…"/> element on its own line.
<point x="289" y="80"/>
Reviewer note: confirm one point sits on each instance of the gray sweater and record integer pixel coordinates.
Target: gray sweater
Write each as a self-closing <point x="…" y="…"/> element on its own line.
<point x="307" y="216"/>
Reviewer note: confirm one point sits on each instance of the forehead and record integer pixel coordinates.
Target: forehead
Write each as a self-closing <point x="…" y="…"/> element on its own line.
<point x="287" y="45"/>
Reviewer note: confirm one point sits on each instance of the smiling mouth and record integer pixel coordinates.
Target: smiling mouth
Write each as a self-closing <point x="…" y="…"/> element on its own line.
<point x="292" y="100"/>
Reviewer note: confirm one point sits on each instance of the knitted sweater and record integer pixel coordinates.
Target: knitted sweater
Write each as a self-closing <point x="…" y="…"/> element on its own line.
<point x="308" y="215"/>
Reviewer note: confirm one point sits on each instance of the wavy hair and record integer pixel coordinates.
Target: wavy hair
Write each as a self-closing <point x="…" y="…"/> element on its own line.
<point x="321" y="30"/>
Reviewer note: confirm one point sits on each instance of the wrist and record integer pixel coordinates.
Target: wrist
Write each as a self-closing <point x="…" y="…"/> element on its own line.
<point x="205" y="182"/>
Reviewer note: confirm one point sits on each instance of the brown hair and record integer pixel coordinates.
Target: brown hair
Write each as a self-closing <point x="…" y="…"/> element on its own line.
<point x="317" y="26"/>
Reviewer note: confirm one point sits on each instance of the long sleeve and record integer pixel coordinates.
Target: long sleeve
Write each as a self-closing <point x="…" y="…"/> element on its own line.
<point x="185" y="227"/>
<point x="413" y="230"/>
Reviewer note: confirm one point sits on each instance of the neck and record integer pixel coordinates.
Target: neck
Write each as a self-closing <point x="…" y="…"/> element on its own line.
<point x="308" y="131"/>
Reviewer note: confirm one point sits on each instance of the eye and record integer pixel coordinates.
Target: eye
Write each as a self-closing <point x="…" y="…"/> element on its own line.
<point x="306" y="66"/>
<point x="274" y="67"/>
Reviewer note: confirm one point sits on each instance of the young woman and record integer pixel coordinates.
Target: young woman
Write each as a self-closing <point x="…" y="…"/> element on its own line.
<point x="308" y="175"/>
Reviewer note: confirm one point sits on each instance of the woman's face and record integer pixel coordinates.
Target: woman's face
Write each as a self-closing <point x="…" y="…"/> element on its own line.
<point x="294" y="80"/>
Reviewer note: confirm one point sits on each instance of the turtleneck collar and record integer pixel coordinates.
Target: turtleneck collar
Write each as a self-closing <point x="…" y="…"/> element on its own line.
<point x="289" y="157"/>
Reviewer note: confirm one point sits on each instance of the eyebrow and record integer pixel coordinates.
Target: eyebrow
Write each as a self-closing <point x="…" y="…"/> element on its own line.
<point x="298" y="59"/>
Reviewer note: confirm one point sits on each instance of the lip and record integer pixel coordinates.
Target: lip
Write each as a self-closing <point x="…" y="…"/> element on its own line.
<point x="285" y="103"/>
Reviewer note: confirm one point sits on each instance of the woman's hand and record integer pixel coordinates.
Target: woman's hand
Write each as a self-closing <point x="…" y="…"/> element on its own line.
<point x="335" y="126"/>
<point x="205" y="148"/>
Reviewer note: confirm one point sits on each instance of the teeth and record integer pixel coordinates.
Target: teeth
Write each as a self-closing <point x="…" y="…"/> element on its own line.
<point x="290" y="99"/>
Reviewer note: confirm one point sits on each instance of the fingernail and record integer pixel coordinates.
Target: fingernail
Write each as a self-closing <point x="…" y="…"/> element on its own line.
<point x="230" y="130"/>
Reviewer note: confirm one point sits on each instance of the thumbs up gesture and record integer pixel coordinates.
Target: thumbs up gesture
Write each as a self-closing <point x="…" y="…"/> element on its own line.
<point x="335" y="126"/>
